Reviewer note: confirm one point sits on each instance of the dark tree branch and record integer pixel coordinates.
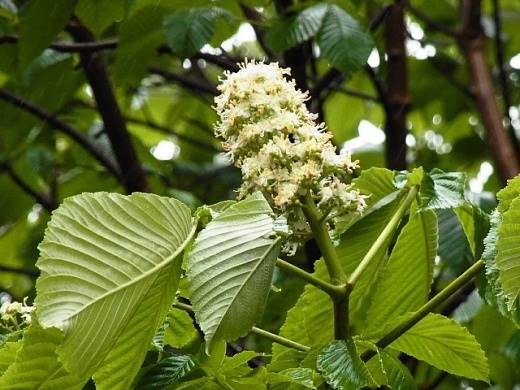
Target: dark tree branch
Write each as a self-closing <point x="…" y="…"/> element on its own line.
<point x="399" y="99"/>
<point x="256" y="19"/>
<point x="504" y="82"/>
<point x="192" y="84"/>
<point x="472" y="41"/>
<point x="70" y="47"/>
<point x="60" y="125"/>
<point x="132" y="174"/>
<point x="47" y="202"/>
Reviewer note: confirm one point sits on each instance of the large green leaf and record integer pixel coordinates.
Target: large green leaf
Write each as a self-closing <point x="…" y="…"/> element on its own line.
<point x="507" y="259"/>
<point x="342" y="367"/>
<point x="110" y="268"/>
<point x="180" y="329"/>
<point x="398" y="376"/>
<point x="230" y="268"/>
<point x="445" y="344"/>
<point x="405" y="283"/>
<point x="36" y="31"/>
<point x="343" y="41"/>
<point x="36" y="365"/>
<point x="187" y="30"/>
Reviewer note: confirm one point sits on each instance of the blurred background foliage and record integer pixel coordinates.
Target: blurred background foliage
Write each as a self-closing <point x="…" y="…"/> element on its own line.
<point x="116" y="95"/>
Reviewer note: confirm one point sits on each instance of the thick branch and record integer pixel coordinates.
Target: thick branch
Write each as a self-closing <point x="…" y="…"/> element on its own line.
<point x="471" y="41"/>
<point x="133" y="176"/>
<point x="399" y="100"/>
<point x="59" y="124"/>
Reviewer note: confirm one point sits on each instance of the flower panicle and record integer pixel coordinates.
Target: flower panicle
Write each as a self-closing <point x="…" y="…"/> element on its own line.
<point x="270" y="134"/>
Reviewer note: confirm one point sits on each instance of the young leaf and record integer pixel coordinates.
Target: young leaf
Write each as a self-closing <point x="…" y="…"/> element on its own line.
<point x="405" y="283"/>
<point x="343" y="41"/>
<point x="180" y="330"/>
<point x="342" y="367"/>
<point x="164" y="373"/>
<point x="230" y="268"/>
<point x="398" y="376"/>
<point x="187" y="30"/>
<point x="445" y="344"/>
<point x="36" y="364"/>
<point x="442" y="190"/>
<point x="110" y="268"/>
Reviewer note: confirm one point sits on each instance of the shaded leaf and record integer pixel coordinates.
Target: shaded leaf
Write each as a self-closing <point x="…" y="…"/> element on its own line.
<point x="445" y="344"/>
<point x="187" y="30"/>
<point x="342" y="367"/>
<point x="180" y="330"/>
<point x="398" y="376"/>
<point x="37" y="32"/>
<point x="230" y="268"/>
<point x="167" y="371"/>
<point x="110" y="268"/>
<point x="442" y="190"/>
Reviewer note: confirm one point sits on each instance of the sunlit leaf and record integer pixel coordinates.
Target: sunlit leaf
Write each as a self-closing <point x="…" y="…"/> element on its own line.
<point x="441" y="190"/>
<point x="230" y="268"/>
<point x="445" y="344"/>
<point x="36" y="364"/>
<point x="405" y="283"/>
<point x="180" y="329"/>
<point x="110" y="268"/>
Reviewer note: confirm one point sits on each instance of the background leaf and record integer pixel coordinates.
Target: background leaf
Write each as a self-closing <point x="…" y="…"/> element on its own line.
<point x="119" y="256"/>
<point x="441" y="190"/>
<point x="230" y="268"/>
<point x="164" y="373"/>
<point x="445" y="344"/>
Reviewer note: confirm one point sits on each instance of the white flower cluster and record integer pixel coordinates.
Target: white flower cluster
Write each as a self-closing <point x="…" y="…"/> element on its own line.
<point x="15" y="315"/>
<point x="270" y="134"/>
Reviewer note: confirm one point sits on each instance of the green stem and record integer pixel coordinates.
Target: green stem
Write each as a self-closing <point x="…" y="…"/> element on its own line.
<point x="322" y="237"/>
<point x="336" y="273"/>
<point x="328" y="288"/>
<point x="260" y="332"/>
<point x="427" y="308"/>
<point x="387" y="232"/>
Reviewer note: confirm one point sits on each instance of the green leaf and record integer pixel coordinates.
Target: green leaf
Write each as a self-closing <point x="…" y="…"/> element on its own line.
<point x="491" y="291"/>
<point x="342" y="41"/>
<point x="167" y="371"/>
<point x="507" y="259"/>
<point x="180" y="330"/>
<point x="187" y="30"/>
<point x="291" y="379"/>
<point x="240" y="359"/>
<point x="445" y="344"/>
<point x="230" y="268"/>
<point x="342" y="367"/>
<point x="110" y="268"/>
<point x="405" y="283"/>
<point x="36" y="365"/>
<point x="397" y="374"/>
<point x="454" y="248"/>
<point x="36" y="31"/>
<point x="8" y="353"/>
<point x="441" y="190"/>
<point x="288" y="33"/>
<point x="98" y="15"/>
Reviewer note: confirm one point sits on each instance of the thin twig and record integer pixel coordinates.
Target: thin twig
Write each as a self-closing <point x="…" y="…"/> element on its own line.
<point x="59" y="124"/>
<point x="23" y="271"/>
<point x="186" y="82"/>
<point x="47" y="202"/>
<point x="69" y="47"/>
<point x="433" y="24"/>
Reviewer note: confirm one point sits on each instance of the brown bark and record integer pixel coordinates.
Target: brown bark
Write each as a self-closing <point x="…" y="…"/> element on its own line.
<point x="472" y="42"/>
<point x="132" y="174"/>
<point x="399" y="100"/>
